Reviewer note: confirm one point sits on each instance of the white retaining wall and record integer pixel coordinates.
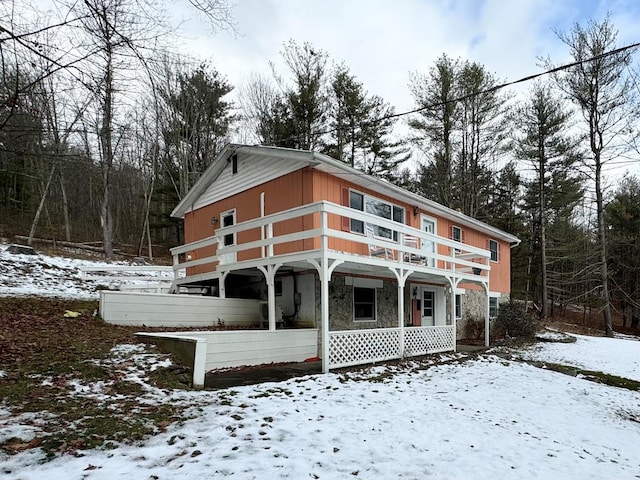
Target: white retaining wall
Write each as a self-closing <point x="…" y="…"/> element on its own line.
<point x="164" y="310"/>
<point x="242" y="347"/>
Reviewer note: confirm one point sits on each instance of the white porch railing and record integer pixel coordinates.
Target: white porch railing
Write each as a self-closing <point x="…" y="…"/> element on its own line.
<point x="460" y="258"/>
<point x="425" y="340"/>
<point x="357" y="347"/>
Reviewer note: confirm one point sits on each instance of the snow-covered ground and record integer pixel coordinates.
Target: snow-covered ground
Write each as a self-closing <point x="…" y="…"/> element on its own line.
<point x="484" y="418"/>
<point x="52" y="276"/>
<point x="611" y="355"/>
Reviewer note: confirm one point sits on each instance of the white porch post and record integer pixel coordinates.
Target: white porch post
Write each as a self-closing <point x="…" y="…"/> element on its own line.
<point x="487" y="313"/>
<point x="271" y="301"/>
<point x="269" y="272"/>
<point x="325" y="269"/>
<point x="401" y="316"/>
<point x="324" y="309"/>
<point x="454" y="284"/>
<point x="222" y="291"/>
<point x="401" y="275"/>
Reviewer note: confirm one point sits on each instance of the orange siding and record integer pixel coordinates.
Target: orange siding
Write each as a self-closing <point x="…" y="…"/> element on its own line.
<point x="282" y="193"/>
<point x="307" y="186"/>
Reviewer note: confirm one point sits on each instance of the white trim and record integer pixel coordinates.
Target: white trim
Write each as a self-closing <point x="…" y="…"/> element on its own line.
<point x="364" y="282"/>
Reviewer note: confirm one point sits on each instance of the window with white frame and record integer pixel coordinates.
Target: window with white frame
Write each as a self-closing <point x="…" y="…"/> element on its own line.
<point x="458" y="306"/>
<point x="494" y="249"/>
<point x="364" y="304"/>
<point x="456" y="234"/>
<point x="229" y="219"/>
<point x="375" y="206"/>
<point x="493" y="307"/>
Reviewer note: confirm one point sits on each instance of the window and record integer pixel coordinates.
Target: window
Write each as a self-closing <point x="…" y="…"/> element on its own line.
<point x="456" y="236"/>
<point x="364" y="304"/>
<point x="493" y="307"/>
<point x="229" y="219"/>
<point x="278" y="287"/>
<point x="493" y="248"/>
<point x="356" y="201"/>
<point x="379" y="208"/>
<point x="458" y="307"/>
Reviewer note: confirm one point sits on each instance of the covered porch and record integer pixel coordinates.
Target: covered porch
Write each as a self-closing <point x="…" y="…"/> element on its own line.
<point x="424" y="268"/>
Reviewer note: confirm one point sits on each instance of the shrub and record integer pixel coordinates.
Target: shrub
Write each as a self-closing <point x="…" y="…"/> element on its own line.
<point x="512" y="321"/>
<point x="473" y="327"/>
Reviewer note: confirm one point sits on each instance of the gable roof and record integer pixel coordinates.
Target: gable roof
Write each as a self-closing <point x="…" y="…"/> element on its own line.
<point x="324" y="163"/>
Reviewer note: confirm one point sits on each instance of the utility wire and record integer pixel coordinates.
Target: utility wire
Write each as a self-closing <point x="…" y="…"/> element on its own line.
<point x="474" y="94"/>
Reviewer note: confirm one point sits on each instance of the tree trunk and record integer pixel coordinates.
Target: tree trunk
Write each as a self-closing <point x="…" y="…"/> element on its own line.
<point x="106" y="138"/>
<point x="36" y="217"/>
<point x="543" y="232"/>
<point x="602" y="241"/>
<point x="65" y="208"/>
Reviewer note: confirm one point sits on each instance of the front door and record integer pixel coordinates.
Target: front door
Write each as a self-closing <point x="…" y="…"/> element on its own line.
<point x="428" y="225"/>
<point x="428" y="307"/>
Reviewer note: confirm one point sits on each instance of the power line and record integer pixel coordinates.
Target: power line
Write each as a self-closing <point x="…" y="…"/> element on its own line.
<point x="474" y="94"/>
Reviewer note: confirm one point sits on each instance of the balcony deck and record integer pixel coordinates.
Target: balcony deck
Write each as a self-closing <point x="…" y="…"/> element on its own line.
<point x="277" y="240"/>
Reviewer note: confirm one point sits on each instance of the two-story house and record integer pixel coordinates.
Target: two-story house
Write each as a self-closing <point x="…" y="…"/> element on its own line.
<point x="380" y="272"/>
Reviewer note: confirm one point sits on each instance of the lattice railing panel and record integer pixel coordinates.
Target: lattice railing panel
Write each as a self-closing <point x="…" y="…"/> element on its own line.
<point x="355" y="347"/>
<point x="423" y="340"/>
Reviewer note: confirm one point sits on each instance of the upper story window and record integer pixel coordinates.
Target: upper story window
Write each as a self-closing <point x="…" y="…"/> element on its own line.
<point x="456" y="234"/>
<point x="229" y="219"/>
<point x="494" y="248"/>
<point x="375" y="206"/>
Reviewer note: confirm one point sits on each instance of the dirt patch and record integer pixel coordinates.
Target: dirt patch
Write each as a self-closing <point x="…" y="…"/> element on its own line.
<point x="60" y="373"/>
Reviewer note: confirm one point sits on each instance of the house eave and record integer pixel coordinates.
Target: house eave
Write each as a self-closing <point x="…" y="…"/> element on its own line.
<point x="322" y="162"/>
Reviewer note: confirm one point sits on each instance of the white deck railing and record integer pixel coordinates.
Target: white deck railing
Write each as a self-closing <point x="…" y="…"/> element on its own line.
<point x="357" y="347"/>
<point x="461" y="258"/>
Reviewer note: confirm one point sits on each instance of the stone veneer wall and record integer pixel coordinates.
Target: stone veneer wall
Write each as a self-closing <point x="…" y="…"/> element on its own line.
<point x="341" y="305"/>
<point x="474" y="305"/>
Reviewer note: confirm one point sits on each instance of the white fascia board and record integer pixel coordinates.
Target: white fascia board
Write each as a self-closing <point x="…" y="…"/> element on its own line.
<point x="220" y="162"/>
<point x="210" y="174"/>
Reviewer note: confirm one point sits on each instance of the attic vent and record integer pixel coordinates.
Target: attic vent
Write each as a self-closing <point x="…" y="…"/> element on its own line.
<point x="234" y="163"/>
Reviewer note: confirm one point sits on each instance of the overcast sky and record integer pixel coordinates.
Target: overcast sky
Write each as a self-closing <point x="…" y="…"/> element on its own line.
<point x="383" y="41"/>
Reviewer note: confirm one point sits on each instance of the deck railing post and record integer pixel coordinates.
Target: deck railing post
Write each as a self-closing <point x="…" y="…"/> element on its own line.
<point x="176" y="261"/>
<point x="269" y="236"/>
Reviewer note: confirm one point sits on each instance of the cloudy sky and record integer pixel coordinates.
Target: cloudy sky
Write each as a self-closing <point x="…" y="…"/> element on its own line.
<point x="383" y="41"/>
